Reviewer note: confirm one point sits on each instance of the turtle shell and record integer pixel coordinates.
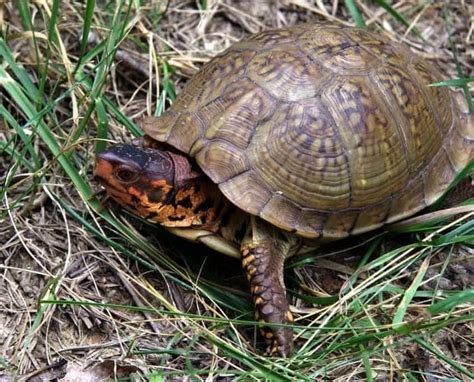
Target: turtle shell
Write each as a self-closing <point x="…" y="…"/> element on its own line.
<point x="321" y="130"/>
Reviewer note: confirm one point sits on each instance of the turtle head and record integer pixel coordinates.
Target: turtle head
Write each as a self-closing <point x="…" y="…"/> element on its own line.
<point x="158" y="185"/>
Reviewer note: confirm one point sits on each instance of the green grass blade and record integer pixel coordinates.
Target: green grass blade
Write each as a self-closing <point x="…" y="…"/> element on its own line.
<point x="409" y="294"/>
<point x="86" y="28"/>
<point x="119" y="28"/>
<point x="203" y="5"/>
<point x="19" y="72"/>
<point x="168" y="85"/>
<point x="398" y="16"/>
<point x="26" y="139"/>
<point x="102" y="126"/>
<point x="449" y="303"/>
<point x="369" y="374"/>
<point x="455" y="82"/>
<point x="355" y="13"/>
<point x="25" y="14"/>
<point x="454" y="51"/>
<point x="53" y="40"/>
<point x="46" y="135"/>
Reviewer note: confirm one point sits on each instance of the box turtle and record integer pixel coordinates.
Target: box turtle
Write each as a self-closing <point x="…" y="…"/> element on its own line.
<point x="288" y="138"/>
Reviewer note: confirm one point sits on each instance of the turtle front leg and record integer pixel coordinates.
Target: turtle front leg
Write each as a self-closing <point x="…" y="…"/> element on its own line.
<point x="263" y="256"/>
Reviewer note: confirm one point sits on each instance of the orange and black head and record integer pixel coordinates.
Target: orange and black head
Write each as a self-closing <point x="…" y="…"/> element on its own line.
<point x="157" y="185"/>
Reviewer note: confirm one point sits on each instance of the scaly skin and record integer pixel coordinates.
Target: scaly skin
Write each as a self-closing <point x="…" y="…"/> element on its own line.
<point x="269" y="296"/>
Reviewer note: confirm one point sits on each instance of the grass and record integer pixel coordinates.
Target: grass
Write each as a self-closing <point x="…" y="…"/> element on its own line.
<point x="101" y="287"/>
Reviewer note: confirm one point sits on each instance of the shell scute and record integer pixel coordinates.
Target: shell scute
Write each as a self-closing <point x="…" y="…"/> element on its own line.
<point x="212" y="79"/>
<point x="222" y="160"/>
<point x="279" y="206"/>
<point x="376" y="156"/>
<point x="282" y="154"/>
<point x="339" y="51"/>
<point x="271" y="39"/>
<point x="371" y="217"/>
<point x="340" y="224"/>
<point x="236" y="114"/>
<point x="437" y="180"/>
<point x="415" y="120"/>
<point x="286" y="74"/>
<point x="366" y="38"/>
<point x="248" y="191"/>
<point x="411" y="199"/>
<point x="442" y="103"/>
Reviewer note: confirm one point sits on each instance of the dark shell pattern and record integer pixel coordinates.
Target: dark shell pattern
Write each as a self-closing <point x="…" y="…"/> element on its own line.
<point x="321" y="130"/>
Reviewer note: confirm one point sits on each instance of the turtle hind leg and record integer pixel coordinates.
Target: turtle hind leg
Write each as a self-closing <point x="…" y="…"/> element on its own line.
<point x="262" y="258"/>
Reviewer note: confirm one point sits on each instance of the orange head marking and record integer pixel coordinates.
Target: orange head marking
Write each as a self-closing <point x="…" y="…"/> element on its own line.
<point x="155" y="184"/>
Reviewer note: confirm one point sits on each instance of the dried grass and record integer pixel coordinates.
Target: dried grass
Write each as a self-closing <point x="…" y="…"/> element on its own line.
<point x="185" y="328"/>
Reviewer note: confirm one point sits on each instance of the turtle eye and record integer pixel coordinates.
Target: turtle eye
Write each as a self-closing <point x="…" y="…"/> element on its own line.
<point x="126" y="175"/>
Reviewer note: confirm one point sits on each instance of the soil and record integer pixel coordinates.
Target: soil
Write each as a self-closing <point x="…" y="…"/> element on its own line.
<point x="46" y="254"/>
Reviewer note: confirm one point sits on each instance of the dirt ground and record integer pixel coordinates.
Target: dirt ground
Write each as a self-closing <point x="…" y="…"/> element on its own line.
<point x="48" y="255"/>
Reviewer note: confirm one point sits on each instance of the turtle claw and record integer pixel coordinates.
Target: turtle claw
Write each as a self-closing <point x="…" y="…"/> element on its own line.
<point x="275" y="350"/>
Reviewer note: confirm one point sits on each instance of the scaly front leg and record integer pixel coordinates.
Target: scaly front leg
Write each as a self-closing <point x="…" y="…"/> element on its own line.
<point x="263" y="255"/>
